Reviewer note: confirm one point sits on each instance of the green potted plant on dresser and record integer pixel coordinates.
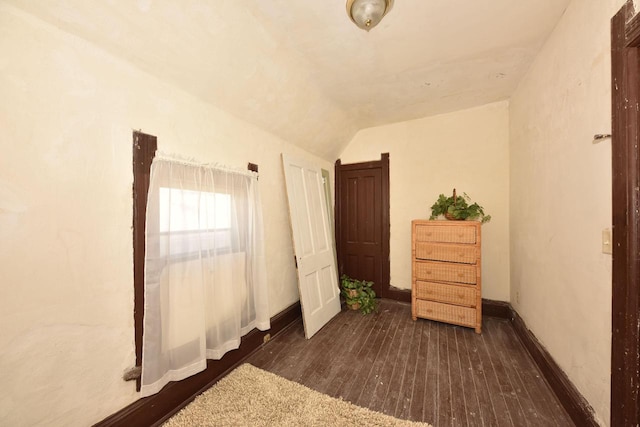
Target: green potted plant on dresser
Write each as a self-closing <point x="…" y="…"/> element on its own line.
<point x="458" y="208"/>
<point x="359" y="294"/>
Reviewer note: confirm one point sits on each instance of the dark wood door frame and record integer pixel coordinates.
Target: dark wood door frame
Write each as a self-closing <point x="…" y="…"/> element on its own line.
<point x="625" y="348"/>
<point x="387" y="290"/>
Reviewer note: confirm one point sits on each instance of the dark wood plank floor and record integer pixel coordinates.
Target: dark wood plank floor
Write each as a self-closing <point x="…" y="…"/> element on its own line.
<point x="424" y="371"/>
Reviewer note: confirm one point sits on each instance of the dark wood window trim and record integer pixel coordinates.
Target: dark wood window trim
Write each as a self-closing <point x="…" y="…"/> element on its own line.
<point x="144" y="150"/>
<point x="625" y="348"/>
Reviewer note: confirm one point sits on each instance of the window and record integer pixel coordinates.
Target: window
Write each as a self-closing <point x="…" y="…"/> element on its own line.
<point x="187" y="210"/>
<point x="204" y="275"/>
<point x="194" y="221"/>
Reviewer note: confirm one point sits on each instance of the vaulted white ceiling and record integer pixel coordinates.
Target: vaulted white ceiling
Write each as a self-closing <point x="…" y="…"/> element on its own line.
<point x="303" y="71"/>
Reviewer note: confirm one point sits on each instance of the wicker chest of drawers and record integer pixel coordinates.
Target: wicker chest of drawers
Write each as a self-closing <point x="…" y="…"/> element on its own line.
<point x="446" y="281"/>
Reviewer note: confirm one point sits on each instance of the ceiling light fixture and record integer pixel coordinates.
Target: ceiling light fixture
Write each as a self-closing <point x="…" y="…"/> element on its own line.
<point x="366" y="14"/>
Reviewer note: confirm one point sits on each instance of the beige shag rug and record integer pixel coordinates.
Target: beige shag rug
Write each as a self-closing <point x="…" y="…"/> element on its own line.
<point x="249" y="396"/>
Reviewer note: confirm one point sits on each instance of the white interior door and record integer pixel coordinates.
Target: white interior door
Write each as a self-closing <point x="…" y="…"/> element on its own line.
<point x="312" y="241"/>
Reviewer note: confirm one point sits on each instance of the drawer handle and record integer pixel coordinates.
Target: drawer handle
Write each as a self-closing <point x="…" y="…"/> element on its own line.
<point x="461" y="296"/>
<point x="460" y="316"/>
<point x="429" y="311"/>
<point x="460" y="274"/>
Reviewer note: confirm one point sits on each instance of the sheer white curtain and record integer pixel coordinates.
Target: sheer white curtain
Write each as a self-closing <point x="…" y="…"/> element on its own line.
<point x="205" y="278"/>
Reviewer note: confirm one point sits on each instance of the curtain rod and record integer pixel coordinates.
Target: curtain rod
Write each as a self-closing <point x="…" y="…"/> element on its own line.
<point x="195" y="163"/>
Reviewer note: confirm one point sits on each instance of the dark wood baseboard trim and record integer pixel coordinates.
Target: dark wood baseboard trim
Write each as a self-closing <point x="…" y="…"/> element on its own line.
<point x="573" y="402"/>
<point x="154" y="410"/>
<point x="403" y="295"/>
<point x="493" y="308"/>
<point x="570" y="398"/>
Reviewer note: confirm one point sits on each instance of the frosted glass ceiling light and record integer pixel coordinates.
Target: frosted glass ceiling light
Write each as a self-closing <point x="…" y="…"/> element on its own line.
<point x="366" y="14"/>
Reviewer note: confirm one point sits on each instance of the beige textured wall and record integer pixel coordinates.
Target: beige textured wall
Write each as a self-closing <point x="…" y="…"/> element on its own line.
<point x="561" y="198"/>
<point x="467" y="150"/>
<point x="66" y="273"/>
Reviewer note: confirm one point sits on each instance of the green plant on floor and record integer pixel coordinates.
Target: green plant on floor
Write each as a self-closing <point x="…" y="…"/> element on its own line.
<point x="458" y="208"/>
<point x="358" y="294"/>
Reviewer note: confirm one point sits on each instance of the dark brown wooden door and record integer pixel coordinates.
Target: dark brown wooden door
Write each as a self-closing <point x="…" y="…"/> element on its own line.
<point x="362" y="224"/>
<point x="361" y="220"/>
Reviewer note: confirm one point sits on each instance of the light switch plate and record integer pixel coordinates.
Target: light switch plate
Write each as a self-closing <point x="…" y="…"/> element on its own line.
<point x="607" y="244"/>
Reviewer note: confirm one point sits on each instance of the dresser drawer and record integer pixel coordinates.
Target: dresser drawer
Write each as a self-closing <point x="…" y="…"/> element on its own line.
<point x="445" y="272"/>
<point x="446" y="313"/>
<point x="451" y="294"/>
<point x="451" y="253"/>
<point x="445" y="234"/>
